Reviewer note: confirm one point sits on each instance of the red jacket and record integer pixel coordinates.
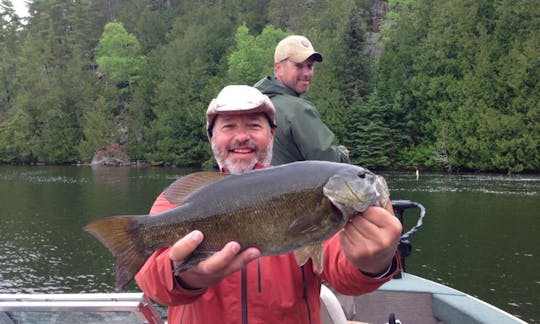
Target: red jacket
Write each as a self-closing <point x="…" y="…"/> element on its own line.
<point x="272" y="289"/>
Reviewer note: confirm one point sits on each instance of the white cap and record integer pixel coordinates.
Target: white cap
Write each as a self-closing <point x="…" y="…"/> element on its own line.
<point x="234" y="99"/>
<point x="295" y="48"/>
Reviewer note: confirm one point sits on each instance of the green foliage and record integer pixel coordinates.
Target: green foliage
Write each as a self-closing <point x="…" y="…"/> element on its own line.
<point x="253" y="56"/>
<point x="194" y="62"/>
<point x="98" y="128"/>
<point x="52" y="89"/>
<point x="16" y="140"/>
<point x="339" y="81"/>
<point x="450" y="86"/>
<point x="119" y="54"/>
<point x="9" y="24"/>
<point x="371" y="141"/>
<point x="457" y="71"/>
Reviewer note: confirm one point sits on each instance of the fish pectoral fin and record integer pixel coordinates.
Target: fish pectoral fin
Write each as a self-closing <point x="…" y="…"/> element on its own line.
<point x="178" y="191"/>
<point x="192" y="261"/>
<point x="303" y="225"/>
<point x="315" y="252"/>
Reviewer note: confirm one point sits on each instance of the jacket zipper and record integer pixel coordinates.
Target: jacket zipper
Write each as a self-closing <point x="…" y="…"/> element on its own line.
<point x="244" y="289"/>
<point x="259" y="280"/>
<point x="304" y="288"/>
<point x="244" y="296"/>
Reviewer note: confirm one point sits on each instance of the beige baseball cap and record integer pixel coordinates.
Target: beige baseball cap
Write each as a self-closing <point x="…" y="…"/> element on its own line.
<point x="234" y="99"/>
<point x="296" y="48"/>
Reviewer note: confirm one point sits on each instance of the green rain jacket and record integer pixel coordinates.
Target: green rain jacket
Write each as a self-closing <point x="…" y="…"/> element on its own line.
<point x="300" y="134"/>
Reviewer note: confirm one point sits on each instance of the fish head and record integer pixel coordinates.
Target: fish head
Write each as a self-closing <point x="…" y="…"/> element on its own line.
<point x="354" y="189"/>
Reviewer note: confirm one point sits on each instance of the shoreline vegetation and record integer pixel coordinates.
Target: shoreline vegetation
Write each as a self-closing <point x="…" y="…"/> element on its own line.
<point x="405" y="84"/>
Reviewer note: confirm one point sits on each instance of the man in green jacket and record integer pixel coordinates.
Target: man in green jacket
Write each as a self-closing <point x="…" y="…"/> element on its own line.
<point x="300" y="134"/>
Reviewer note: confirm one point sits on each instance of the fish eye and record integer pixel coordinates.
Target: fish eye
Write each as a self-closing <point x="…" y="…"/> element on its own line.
<point x="362" y="175"/>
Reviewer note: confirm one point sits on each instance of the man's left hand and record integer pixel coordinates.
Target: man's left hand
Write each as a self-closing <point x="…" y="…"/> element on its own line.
<point x="370" y="239"/>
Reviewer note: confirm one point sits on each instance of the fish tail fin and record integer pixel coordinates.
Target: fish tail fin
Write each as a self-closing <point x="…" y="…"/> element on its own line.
<point x="120" y="236"/>
<point x="315" y="252"/>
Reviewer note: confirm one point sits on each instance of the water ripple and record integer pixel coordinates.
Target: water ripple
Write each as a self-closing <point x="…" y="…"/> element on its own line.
<point x="527" y="185"/>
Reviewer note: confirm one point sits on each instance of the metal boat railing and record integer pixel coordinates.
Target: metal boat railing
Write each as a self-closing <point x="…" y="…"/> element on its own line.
<point x="78" y="308"/>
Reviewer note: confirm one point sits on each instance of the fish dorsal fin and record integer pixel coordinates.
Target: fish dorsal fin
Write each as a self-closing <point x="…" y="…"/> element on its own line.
<point x="179" y="190"/>
<point x="315" y="252"/>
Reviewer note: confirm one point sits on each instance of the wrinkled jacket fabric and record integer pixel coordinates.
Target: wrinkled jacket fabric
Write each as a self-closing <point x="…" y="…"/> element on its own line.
<point x="272" y="289"/>
<point x="300" y="133"/>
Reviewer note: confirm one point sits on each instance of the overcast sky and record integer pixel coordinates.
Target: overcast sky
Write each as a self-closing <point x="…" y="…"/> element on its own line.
<point x="20" y="7"/>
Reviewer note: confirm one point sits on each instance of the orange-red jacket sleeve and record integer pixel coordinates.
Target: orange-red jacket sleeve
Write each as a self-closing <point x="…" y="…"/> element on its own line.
<point x="346" y="278"/>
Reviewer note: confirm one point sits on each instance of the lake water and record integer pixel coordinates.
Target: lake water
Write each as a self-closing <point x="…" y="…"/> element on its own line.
<point x="480" y="235"/>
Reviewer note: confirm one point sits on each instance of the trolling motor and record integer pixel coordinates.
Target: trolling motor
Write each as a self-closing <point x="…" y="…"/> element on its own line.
<point x="405" y="246"/>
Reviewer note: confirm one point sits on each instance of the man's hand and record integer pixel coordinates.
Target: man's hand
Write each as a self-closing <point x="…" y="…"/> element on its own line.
<point x="212" y="270"/>
<point x="370" y="239"/>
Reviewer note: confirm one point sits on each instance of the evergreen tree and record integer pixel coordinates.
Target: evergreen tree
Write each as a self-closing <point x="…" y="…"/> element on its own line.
<point x="119" y="56"/>
<point x="99" y="128"/>
<point x="253" y="56"/>
<point x="193" y="64"/>
<point x="449" y="65"/>
<point x="456" y="86"/>
<point x="9" y="24"/>
<point x="53" y="89"/>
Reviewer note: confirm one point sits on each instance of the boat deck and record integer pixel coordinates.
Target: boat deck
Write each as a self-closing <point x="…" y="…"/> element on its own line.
<point x="416" y="300"/>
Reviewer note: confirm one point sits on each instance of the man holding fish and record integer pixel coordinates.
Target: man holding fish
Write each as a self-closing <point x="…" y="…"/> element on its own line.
<point x="239" y="245"/>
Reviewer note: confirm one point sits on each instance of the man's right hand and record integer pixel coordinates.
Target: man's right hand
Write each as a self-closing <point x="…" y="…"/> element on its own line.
<point x="214" y="269"/>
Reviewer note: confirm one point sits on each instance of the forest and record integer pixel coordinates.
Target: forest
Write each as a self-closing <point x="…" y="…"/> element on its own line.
<point x="436" y="85"/>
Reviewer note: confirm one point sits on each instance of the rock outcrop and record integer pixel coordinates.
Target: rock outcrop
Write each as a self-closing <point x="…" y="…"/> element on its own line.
<point x="111" y="155"/>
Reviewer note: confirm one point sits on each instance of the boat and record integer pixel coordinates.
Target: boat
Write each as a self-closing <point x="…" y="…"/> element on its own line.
<point x="411" y="299"/>
<point x="404" y="299"/>
<point x="86" y="308"/>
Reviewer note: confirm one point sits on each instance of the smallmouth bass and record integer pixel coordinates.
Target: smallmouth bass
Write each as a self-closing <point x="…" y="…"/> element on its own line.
<point x="292" y="207"/>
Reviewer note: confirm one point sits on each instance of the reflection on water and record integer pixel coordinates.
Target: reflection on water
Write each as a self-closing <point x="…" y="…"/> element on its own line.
<point x="37" y="266"/>
<point x="43" y="211"/>
<point x="481" y="183"/>
<point x="480" y="234"/>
